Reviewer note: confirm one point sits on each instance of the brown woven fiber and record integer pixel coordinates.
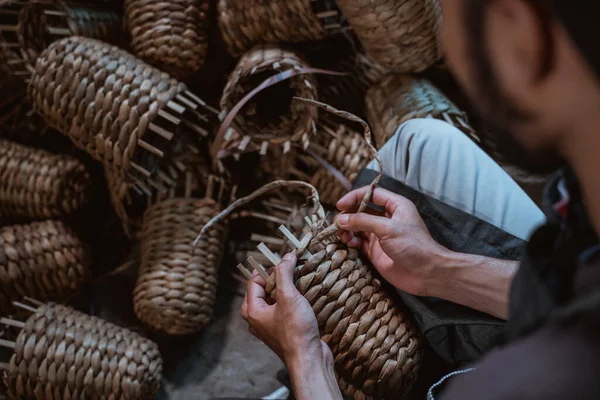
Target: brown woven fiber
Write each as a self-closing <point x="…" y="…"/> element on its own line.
<point x="246" y="23"/>
<point x="37" y="184"/>
<point x="398" y="34"/>
<point x="399" y="98"/>
<point x="44" y="260"/>
<point x="175" y="291"/>
<point x="119" y="109"/>
<point x="271" y="116"/>
<point x="172" y="35"/>
<point x="61" y="353"/>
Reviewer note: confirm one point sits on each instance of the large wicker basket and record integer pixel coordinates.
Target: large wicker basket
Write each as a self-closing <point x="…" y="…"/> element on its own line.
<point x="271" y="117"/>
<point x="44" y="260"/>
<point x="399" y="98"/>
<point x="171" y="35"/>
<point x="37" y="184"/>
<point x="398" y="34"/>
<point x="61" y="353"/>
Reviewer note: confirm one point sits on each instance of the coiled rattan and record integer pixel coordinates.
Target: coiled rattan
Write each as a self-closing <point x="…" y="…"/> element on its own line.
<point x="37" y="184"/>
<point x="398" y="34"/>
<point x="176" y="287"/>
<point x="44" y="260"/>
<point x="172" y="35"/>
<point x="271" y="116"/>
<point x="64" y="354"/>
<point x="399" y="98"/>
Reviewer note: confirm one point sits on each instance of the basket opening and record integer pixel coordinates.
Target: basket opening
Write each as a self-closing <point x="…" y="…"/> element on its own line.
<point x="271" y="104"/>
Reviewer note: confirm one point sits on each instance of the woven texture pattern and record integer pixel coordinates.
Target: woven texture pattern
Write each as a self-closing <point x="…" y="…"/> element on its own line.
<point x="246" y="23"/>
<point x="377" y="349"/>
<point x="175" y="291"/>
<point x="38" y="184"/>
<point x="398" y="34"/>
<point x="271" y="115"/>
<point x="103" y="98"/>
<point x="64" y="354"/>
<point x="399" y="98"/>
<point x="172" y="35"/>
<point x="43" y="260"/>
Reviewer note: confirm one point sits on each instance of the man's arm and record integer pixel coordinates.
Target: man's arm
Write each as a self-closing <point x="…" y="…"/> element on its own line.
<point x="313" y="378"/>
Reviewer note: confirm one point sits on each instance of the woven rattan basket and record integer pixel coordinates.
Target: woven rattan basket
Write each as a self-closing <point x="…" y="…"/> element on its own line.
<point x="44" y="260"/>
<point x="37" y="184"/>
<point x="171" y="35"/>
<point x="246" y="23"/>
<point x="398" y="34"/>
<point x="176" y="287"/>
<point x="60" y="353"/>
<point x="271" y="117"/>
<point x="399" y="98"/>
<point x="119" y="109"/>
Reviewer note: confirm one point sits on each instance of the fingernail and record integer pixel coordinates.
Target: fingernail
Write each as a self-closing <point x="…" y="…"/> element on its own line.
<point x="289" y="257"/>
<point x="343" y="219"/>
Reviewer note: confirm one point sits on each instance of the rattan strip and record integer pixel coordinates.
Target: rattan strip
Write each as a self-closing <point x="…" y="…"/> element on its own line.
<point x="176" y="287"/>
<point x="64" y="354"/>
<point x="37" y="184"/>
<point x="171" y="35"/>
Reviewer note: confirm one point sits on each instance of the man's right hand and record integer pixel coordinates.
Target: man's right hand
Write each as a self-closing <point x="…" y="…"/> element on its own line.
<point x="396" y="241"/>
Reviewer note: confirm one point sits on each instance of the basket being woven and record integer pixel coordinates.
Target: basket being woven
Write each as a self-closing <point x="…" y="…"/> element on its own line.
<point x="399" y="98"/>
<point x="61" y="353"/>
<point x="271" y="116"/>
<point x="176" y="287"/>
<point x="172" y="35"/>
<point x="119" y="109"/>
<point x="37" y="184"/>
<point x="398" y="34"/>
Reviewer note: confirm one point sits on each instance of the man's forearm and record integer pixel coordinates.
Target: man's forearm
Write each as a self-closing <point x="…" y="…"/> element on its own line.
<point x="478" y="282"/>
<point x="313" y="378"/>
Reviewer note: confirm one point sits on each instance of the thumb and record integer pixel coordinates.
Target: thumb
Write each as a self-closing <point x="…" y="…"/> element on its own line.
<point x="284" y="275"/>
<point x="367" y="223"/>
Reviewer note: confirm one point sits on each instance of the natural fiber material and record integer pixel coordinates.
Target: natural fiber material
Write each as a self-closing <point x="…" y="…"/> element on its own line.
<point x="172" y="35"/>
<point x="176" y="287"/>
<point x="398" y="34"/>
<point x="65" y="354"/>
<point x="399" y="98"/>
<point x="111" y="104"/>
<point x="44" y="260"/>
<point x="271" y="116"/>
<point x="246" y="23"/>
<point x="37" y="184"/>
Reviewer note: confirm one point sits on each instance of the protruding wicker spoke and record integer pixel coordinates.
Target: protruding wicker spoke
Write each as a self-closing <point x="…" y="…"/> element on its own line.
<point x="140" y="169"/>
<point x="165" y="178"/>
<point x="259" y="268"/>
<point x="150" y="148"/>
<point x="161" y="131"/>
<point x="24" y="306"/>
<point x="157" y="186"/>
<point x="178" y="108"/>
<point x="12" y="322"/>
<point x="327" y="14"/>
<point x="35" y="302"/>
<point x="187" y="102"/>
<point x="244" y="143"/>
<point x="188" y="184"/>
<point x="263" y="148"/>
<point x="196" y="128"/>
<point x="244" y="271"/>
<point x="56" y="13"/>
<point x="256" y="237"/>
<point x="290" y="236"/>
<point x="201" y="102"/>
<point x="258" y="256"/>
<point x="7" y="343"/>
<point x="180" y="166"/>
<point x="281" y="207"/>
<point x="274" y="259"/>
<point x="59" y="31"/>
<point x="258" y="215"/>
<point x="9" y="28"/>
<point x="169" y="117"/>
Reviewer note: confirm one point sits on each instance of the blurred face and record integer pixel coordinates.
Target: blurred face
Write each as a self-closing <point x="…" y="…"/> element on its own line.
<point x="498" y="57"/>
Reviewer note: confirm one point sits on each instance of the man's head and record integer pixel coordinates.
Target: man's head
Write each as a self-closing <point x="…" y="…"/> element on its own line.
<point x="524" y="66"/>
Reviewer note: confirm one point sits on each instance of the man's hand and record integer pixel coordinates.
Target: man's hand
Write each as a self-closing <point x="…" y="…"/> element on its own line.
<point x="396" y="241"/>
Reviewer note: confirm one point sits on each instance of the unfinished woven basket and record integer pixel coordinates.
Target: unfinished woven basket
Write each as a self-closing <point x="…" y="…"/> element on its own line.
<point x="271" y="117"/>
<point x="246" y="23"/>
<point x="119" y="109"/>
<point x="171" y="35"/>
<point x="176" y="287"/>
<point x="398" y="34"/>
<point x="399" y="98"/>
<point x="37" y="184"/>
<point x="61" y="353"/>
<point x="44" y="260"/>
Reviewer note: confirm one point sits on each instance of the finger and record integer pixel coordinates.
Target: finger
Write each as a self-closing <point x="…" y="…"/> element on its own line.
<point x="381" y="197"/>
<point x="257" y="297"/>
<point x="346" y="237"/>
<point x="354" y="243"/>
<point x="362" y="222"/>
<point x="284" y="275"/>
<point x="244" y="308"/>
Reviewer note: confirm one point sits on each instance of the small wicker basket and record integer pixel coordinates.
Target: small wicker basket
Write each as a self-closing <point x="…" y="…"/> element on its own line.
<point x="398" y="34"/>
<point x="246" y="23"/>
<point x="271" y="117"/>
<point x="171" y="35"/>
<point x="44" y="260"/>
<point x="399" y="98"/>
<point x="37" y="184"/>
<point x="119" y="109"/>
<point x="60" y="353"/>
